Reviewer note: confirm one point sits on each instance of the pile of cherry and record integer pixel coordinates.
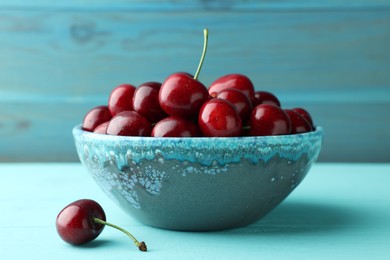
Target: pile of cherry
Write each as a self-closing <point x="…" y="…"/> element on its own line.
<point x="182" y="106"/>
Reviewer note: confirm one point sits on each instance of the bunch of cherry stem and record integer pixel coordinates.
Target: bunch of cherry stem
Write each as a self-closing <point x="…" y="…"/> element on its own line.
<point x="141" y="245"/>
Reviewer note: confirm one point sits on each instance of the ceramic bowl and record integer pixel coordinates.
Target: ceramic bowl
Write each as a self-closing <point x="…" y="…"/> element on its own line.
<point x="198" y="184"/>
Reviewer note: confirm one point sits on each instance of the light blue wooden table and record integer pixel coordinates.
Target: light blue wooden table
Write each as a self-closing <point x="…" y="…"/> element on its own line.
<point x="340" y="211"/>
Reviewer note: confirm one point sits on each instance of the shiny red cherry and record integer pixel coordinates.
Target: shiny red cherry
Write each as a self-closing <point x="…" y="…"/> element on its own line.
<point x="305" y="114"/>
<point x="83" y="220"/>
<point x="145" y="101"/>
<point x="121" y="99"/>
<point x="95" y="117"/>
<point x="298" y="123"/>
<point x="102" y="128"/>
<point x="269" y="119"/>
<point x="182" y="96"/>
<point x="239" y="100"/>
<point x="129" y="123"/>
<point x="174" y="126"/>
<point x="236" y="81"/>
<point x="219" y="118"/>
<point x="265" y="97"/>
<point x="75" y="223"/>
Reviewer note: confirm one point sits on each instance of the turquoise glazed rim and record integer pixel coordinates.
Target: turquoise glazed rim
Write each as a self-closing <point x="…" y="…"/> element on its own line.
<point x="221" y="150"/>
<point x="201" y="183"/>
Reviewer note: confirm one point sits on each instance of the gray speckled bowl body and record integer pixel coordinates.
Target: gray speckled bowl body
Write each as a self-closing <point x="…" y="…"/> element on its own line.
<point x="198" y="183"/>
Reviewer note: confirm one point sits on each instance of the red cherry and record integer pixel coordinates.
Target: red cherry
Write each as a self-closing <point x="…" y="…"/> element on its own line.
<point x="269" y="120"/>
<point x="83" y="220"/>
<point x="121" y="99"/>
<point x="182" y="96"/>
<point x="75" y="223"/>
<point x="305" y="114"/>
<point x="239" y="100"/>
<point x="298" y="123"/>
<point x="95" y="117"/>
<point x="219" y="117"/>
<point x="175" y="127"/>
<point x="236" y="81"/>
<point x="145" y="101"/>
<point x="264" y="97"/>
<point x="102" y="128"/>
<point x="129" y="123"/>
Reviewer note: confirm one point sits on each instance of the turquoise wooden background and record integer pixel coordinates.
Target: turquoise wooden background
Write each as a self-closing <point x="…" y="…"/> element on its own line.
<point x="60" y="58"/>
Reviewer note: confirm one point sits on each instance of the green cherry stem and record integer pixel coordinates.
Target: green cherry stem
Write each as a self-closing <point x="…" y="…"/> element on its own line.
<point x="206" y="36"/>
<point x="141" y="245"/>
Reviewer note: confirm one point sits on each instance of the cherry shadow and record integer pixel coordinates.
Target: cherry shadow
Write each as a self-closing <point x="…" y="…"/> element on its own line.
<point x="97" y="243"/>
<point x="303" y="217"/>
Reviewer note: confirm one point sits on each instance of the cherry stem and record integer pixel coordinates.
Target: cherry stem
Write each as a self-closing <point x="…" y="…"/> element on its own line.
<point x="206" y="36"/>
<point x="141" y="245"/>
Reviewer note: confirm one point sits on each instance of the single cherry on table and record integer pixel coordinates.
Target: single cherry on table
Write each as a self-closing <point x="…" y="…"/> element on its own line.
<point x="83" y="220"/>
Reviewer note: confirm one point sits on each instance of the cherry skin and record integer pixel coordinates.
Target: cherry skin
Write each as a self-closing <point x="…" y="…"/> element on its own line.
<point x="174" y="126"/>
<point x="95" y="117"/>
<point x="298" y="123"/>
<point x="75" y="223"/>
<point x="121" y="99"/>
<point x="305" y="114"/>
<point x="239" y="100"/>
<point x="129" y="123"/>
<point x="269" y="119"/>
<point x="185" y="73"/>
<point x="265" y="97"/>
<point x="145" y="101"/>
<point x="219" y="118"/>
<point x="236" y="81"/>
<point x="102" y="128"/>
<point x="182" y="96"/>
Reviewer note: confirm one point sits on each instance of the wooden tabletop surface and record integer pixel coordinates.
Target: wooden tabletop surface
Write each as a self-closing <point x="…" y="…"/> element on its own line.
<point x="340" y="211"/>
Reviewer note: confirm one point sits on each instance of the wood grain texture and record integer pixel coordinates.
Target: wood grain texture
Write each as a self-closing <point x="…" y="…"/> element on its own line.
<point x="339" y="210"/>
<point x="59" y="60"/>
<point x="191" y="5"/>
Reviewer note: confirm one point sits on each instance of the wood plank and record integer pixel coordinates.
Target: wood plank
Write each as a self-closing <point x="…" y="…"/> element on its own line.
<point x="191" y="5"/>
<point x="88" y="54"/>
